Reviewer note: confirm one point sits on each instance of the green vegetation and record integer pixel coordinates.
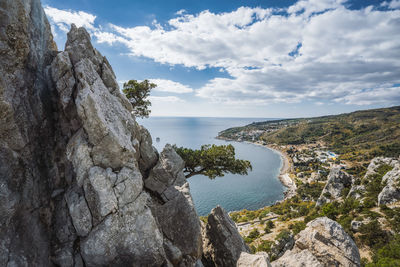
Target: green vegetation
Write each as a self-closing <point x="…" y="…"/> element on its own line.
<point x="252" y="235"/>
<point x="310" y="191"/>
<point x="388" y="254"/>
<point x="212" y="161"/>
<point x="357" y="136"/>
<point x="373" y="183"/>
<point x="137" y="93"/>
<point x="268" y="226"/>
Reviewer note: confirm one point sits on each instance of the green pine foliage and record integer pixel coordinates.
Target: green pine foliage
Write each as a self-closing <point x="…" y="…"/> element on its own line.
<point x="212" y="161"/>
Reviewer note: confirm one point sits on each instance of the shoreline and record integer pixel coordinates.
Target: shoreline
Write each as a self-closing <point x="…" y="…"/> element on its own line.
<point x="284" y="171"/>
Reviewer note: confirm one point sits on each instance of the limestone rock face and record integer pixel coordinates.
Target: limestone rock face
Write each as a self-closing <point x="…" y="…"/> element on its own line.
<point x="337" y="181"/>
<point x="74" y="162"/>
<point x="391" y="192"/>
<point x="26" y="116"/>
<point x="323" y="243"/>
<point x="260" y="259"/>
<point x="222" y="243"/>
<point x="378" y="161"/>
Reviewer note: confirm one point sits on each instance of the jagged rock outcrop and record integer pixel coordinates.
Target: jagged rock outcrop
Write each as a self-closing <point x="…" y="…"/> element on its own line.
<point x="260" y="259"/>
<point x="280" y="246"/>
<point x="81" y="183"/>
<point x="323" y="243"/>
<point x="222" y="243"/>
<point x="379" y="161"/>
<point x="338" y="180"/>
<point x="391" y="192"/>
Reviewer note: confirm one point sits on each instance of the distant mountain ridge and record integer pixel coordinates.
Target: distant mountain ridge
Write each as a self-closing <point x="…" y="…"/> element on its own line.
<point x="357" y="135"/>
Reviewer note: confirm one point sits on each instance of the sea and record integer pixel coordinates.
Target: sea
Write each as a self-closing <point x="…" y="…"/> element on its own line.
<point x="261" y="187"/>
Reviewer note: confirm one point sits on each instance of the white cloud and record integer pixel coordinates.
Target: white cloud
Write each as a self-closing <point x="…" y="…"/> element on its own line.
<point x="170" y="86"/>
<point x="180" y="12"/>
<point x="382" y="95"/>
<point x="169" y="99"/>
<point x="314" y="50"/>
<point x="394" y="4"/>
<point x="64" y="18"/>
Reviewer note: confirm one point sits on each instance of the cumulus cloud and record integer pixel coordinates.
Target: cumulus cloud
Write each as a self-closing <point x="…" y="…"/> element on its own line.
<point x="392" y="4"/>
<point x="64" y="18"/>
<point x="169" y="99"/>
<point x="170" y="86"/>
<point x="314" y="50"/>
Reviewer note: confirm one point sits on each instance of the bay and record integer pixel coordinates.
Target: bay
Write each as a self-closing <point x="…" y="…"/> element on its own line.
<point x="259" y="188"/>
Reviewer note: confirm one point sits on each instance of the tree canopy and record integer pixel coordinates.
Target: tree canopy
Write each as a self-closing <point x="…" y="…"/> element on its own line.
<point x="212" y="161"/>
<point x="137" y="93"/>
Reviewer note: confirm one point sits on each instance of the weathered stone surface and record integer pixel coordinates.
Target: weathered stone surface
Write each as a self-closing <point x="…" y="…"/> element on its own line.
<point x="379" y="161"/>
<point x="129" y="237"/>
<point x="166" y="172"/>
<point x="222" y="243"/>
<point x="356" y="191"/>
<point x="303" y="258"/>
<point x="260" y="259"/>
<point x="148" y="153"/>
<point x="391" y="192"/>
<point x="62" y="73"/>
<point x="128" y="186"/>
<point x="180" y="224"/>
<point x="337" y="181"/>
<point x="78" y="152"/>
<point x="26" y="134"/>
<point x="99" y="185"/>
<point x="323" y="243"/>
<point x="79" y="211"/>
<point x="281" y="246"/>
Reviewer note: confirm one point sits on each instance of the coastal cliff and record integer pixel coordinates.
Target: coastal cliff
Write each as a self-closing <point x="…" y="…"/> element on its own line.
<point x="81" y="183"/>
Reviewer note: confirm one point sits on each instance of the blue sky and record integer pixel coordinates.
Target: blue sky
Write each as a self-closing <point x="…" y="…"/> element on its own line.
<point x="247" y="58"/>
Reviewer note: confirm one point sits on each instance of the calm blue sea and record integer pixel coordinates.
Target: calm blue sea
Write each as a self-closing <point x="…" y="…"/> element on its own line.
<point x="233" y="192"/>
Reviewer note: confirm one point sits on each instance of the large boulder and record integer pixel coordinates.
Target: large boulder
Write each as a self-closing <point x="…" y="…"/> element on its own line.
<point x="260" y="259"/>
<point x="222" y="243"/>
<point x="323" y="243"/>
<point x="391" y="192"/>
<point x="338" y="180"/>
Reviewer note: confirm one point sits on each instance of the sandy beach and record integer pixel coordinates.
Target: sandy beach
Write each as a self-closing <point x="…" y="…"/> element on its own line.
<point x="284" y="171"/>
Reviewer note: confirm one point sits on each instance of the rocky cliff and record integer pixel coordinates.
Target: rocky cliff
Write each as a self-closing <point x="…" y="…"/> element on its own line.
<point x="80" y="182"/>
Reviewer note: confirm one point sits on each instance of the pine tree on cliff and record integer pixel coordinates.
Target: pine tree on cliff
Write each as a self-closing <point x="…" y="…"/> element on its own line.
<point x="137" y="93"/>
<point x="210" y="160"/>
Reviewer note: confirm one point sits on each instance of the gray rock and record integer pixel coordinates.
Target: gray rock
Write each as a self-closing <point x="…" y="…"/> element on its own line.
<point x="78" y="152"/>
<point x="63" y="76"/>
<point x="167" y="172"/>
<point x="99" y="193"/>
<point x="180" y="224"/>
<point x="79" y="211"/>
<point x="127" y="237"/>
<point x="260" y="259"/>
<point x="391" y="192"/>
<point x="222" y="243"/>
<point x="356" y="191"/>
<point x="281" y="246"/>
<point x="148" y="153"/>
<point x="128" y="186"/>
<point x="377" y="162"/>
<point x="303" y="258"/>
<point x="337" y="181"/>
<point x="323" y="243"/>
